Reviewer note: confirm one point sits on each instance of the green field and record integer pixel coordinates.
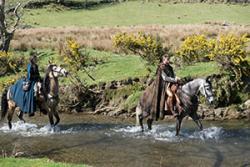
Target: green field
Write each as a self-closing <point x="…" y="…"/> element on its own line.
<point x="138" y="13"/>
<point x="118" y="67"/>
<point x="24" y="162"/>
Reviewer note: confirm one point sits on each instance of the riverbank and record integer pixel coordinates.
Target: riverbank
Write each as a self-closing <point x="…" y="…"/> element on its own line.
<point x="120" y="98"/>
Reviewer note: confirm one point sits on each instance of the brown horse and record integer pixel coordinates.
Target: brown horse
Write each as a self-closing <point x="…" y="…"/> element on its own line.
<point x="189" y="100"/>
<point x="47" y="97"/>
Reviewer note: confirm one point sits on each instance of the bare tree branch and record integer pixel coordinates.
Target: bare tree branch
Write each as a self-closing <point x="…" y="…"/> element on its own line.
<point x="18" y="17"/>
<point x="6" y="34"/>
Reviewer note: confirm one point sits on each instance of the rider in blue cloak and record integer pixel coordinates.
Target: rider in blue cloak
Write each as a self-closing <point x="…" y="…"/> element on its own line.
<point x="25" y="99"/>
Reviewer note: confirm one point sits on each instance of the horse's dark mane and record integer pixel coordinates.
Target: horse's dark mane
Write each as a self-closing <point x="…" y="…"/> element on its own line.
<point x="46" y="80"/>
<point x="185" y="80"/>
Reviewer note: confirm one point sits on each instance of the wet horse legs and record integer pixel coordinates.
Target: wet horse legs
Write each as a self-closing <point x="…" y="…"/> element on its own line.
<point x="51" y="120"/>
<point x="20" y="116"/>
<point x="57" y="117"/>
<point x="196" y="119"/>
<point x="149" y="122"/>
<point x="178" y="124"/>
<point x="52" y="113"/>
<point x="10" y="116"/>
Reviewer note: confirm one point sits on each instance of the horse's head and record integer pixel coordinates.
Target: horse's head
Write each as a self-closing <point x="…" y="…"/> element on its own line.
<point x="57" y="71"/>
<point x="206" y="90"/>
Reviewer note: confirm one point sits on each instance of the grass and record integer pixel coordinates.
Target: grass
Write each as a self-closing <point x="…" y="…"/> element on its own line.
<point x="116" y="67"/>
<point x="138" y="13"/>
<point x="198" y="70"/>
<point x="119" y="67"/>
<point x="25" y="162"/>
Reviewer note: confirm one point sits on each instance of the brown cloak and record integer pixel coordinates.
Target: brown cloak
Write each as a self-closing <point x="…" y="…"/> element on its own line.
<point x="153" y="99"/>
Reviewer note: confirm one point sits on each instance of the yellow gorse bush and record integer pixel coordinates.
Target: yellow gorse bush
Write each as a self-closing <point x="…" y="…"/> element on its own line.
<point x="70" y="50"/>
<point x="228" y="50"/>
<point x="9" y="81"/>
<point x="230" y="47"/>
<point x="7" y="63"/>
<point x="148" y="47"/>
<point x="195" y="48"/>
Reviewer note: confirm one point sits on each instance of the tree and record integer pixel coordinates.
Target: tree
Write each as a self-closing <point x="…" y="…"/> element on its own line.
<point x="7" y="31"/>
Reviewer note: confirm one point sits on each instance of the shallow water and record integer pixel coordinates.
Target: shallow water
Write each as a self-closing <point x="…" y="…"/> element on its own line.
<point x="104" y="141"/>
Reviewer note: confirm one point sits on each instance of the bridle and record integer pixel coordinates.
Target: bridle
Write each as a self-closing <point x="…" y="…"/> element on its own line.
<point x="205" y="90"/>
<point x="58" y="71"/>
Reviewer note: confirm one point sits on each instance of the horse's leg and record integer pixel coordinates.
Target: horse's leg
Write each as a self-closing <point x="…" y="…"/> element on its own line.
<point x="51" y="120"/>
<point x="196" y="119"/>
<point x="141" y="122"/>
<point x="178" y="124"/>
<point x="20" y="116"/>
<point x="139" y="117"/>
<point x="56" y="116"/>
<point x="10" y="115"/>
<point x="149" y="122"/>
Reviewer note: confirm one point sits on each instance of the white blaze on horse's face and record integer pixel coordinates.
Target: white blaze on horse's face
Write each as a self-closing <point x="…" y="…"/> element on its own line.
<point x="59" y="71"/>
<point x="206" y="90"/>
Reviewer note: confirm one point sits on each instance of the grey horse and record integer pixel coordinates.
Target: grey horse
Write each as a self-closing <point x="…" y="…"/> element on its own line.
<point x="188" y="95"/>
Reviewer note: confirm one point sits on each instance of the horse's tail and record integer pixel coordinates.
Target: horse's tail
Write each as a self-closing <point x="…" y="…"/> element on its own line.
<point x="138" y="113"/>
<point x="4" y="104"/>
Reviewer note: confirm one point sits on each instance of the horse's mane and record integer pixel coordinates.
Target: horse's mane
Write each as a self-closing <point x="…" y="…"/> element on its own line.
<point x="185" y="80"/>
<point x="46" y="81"/>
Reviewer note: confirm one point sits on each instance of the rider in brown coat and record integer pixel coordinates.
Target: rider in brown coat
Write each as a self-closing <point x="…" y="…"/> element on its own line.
<point x="166" y="87"/>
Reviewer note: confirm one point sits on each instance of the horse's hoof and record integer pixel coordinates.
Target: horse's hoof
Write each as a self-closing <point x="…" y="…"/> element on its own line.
<point x="31" y="114"/>
<point x="10" y="126"/>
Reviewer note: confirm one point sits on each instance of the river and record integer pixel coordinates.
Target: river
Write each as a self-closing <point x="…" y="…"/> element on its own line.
<point x="105" y="142"/>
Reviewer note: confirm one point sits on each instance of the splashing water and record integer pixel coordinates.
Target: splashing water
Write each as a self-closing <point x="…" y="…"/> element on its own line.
<point x="29" y="129"/>
<point x="158" y="132"/>
<point x="213" y="133"/>
<point x="167" y="133"/>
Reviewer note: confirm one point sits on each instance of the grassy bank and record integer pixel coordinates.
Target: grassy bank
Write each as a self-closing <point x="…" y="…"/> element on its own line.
<point x="114" y="67"/>
<point x="25" y="162"/>
<point x="138" y="13"/>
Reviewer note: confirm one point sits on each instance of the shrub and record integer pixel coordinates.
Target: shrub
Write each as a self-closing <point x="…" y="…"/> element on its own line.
<point x="195" y="48"/>
<point x="230" y="52"/>
<point x="7" y="82"/>
<point x="73" y="57"/>
<point x="148" y="47"/>
<point x="9" y="63"/>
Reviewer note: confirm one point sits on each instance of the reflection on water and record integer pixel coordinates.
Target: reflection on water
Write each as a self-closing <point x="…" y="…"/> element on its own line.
<point x="98" y="142"/>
